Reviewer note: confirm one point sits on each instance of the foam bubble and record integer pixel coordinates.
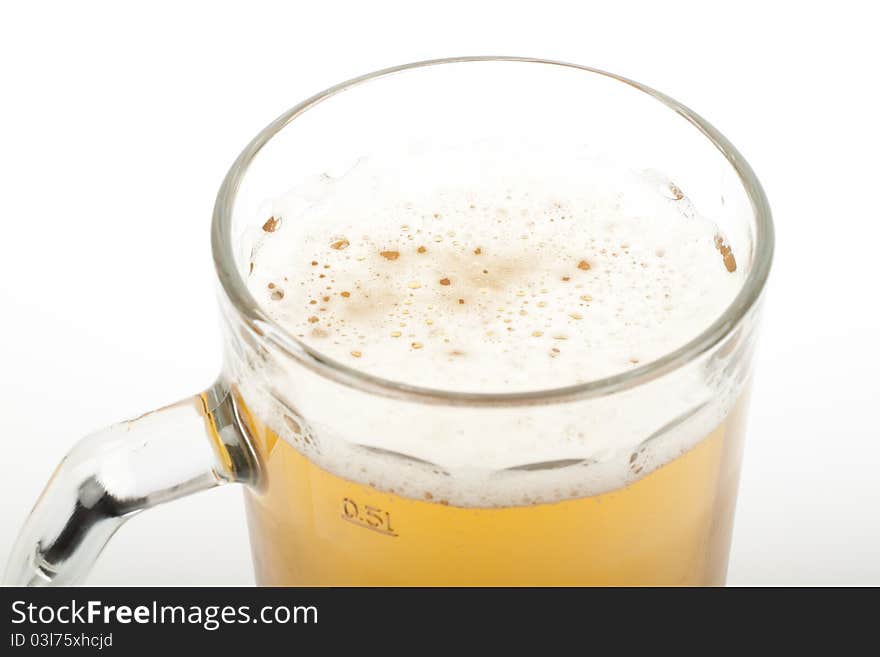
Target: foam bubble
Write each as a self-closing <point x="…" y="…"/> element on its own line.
<point x="500" y="283"/>
<point x="497" y="272"/>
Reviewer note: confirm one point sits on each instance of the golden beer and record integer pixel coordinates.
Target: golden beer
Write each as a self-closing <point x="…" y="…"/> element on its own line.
<point x="494" y="280"/>
<point x="671" y="527"/>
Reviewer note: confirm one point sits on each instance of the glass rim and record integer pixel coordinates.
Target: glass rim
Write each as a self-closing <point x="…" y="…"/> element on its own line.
<point x="260" y="323"/>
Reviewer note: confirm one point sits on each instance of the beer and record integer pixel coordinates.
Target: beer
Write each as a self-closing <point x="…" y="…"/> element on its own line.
<point x="493" y="277"/>
<point x="671" y="527"/>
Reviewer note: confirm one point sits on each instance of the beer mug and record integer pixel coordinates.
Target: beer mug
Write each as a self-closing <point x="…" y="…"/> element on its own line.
<point x="356" y="478"/>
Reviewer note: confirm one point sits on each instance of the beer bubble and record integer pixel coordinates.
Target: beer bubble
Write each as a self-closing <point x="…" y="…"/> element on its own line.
<point x="272" y="224"/>
<point x="536" y="278"/>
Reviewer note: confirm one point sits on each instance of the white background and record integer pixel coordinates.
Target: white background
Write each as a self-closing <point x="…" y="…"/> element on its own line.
<point x="117" y="125"/>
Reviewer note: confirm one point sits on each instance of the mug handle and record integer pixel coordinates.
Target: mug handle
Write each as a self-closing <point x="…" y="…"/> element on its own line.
<point x="114" y="473"/>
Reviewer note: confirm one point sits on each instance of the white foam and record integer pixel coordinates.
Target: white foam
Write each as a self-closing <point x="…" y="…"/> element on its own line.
<point x="488" y="271"/>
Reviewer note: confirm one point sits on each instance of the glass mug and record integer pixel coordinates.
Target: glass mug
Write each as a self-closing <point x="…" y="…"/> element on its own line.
<point x="280" y="410"/>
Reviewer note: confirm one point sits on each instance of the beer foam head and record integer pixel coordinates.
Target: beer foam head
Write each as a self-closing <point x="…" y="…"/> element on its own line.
<point x="490" y="269"/>
<point x="495" y="278"/>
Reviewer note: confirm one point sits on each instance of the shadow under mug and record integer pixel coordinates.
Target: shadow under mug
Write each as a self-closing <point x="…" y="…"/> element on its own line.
<point x="287" y="422"/>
